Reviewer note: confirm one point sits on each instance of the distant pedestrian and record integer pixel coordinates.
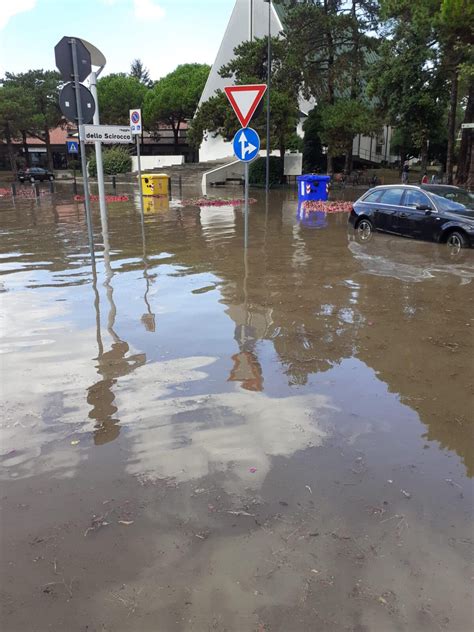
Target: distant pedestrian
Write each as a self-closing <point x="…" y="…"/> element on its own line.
<point x="405" y="172"/>
<point x="424" y="179"/>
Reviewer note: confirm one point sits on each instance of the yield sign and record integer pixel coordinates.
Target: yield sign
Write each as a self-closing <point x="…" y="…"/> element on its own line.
<point x="245" y="99"/>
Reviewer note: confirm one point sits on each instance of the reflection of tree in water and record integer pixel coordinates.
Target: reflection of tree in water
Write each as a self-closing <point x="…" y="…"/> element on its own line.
<point x="306" y="295"/>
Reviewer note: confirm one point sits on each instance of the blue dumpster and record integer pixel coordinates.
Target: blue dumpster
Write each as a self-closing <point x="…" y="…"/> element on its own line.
<point x="313" y="187"/>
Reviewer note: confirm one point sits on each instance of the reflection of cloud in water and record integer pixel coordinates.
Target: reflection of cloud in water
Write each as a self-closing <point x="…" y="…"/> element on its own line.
<point x="380" y="265"/>
<point x="42" y="386"/>
<point x="189" y="437"/>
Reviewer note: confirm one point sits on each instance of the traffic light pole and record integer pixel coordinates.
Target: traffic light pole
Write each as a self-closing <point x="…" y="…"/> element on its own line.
<point x="87" y="202"/>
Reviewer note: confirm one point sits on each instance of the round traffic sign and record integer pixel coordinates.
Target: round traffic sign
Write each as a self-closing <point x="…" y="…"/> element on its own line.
<point x="67" y="103"/>
<point x="246" y="144"/>
<point x="135" y="117"/>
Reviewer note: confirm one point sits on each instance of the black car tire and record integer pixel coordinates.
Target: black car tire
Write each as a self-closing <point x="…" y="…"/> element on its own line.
<point x="456" y="241"/>
<point x="364" y="229"/>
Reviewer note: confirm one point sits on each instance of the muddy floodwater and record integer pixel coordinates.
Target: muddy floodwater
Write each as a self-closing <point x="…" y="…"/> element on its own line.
<point x="195" y="439"/>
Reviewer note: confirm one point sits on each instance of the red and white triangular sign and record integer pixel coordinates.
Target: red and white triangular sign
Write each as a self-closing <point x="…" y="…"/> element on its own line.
<point x="245" y="100"/>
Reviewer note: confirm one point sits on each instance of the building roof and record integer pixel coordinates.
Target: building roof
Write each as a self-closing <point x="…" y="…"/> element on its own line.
<point x="58" y="136"/>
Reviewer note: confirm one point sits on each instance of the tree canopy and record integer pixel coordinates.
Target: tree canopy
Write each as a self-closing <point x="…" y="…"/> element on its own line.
<point x="174" y="98"/>
<point x="118" y="94"/>
<point x="138" y="70"/>
<point x="36" y="93"/>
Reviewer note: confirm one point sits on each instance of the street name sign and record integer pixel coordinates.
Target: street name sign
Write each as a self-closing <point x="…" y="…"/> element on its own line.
<point x="467" y="126"/>
<point x="111" y="134"/>
<point x="245" y="99"/>
<point x="136" y="121"/>
<point x="246" y="144"/>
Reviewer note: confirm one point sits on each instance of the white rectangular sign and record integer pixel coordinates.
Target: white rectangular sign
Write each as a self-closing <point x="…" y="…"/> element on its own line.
<point x="111" y="134"/>
<point x="467" y="125"/>
<point x="136" y="121"/>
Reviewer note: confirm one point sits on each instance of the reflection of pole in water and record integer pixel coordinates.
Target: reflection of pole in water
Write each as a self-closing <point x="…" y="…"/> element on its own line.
<point x="246" y="369"/>
<point x="111" y="364"/>
<point x="147" y="319"/>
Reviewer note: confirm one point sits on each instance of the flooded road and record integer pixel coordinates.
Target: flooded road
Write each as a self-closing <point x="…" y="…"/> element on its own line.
<point x="197" y="440"/>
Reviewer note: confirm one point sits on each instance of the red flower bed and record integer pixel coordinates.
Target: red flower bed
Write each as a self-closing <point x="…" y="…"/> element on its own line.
<point x="108" y="198"/>
<point x="216" y="202"/>
<point x="327" y="207"/>
<point x="26" y="194"/>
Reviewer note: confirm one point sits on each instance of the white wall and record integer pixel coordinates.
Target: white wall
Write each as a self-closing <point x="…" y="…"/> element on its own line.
<point x="238" y="31"/>
<point x="215" y="149"/>
<point x="156" y="162"/>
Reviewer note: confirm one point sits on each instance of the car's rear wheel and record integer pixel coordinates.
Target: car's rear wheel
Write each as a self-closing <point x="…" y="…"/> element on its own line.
<point x="364" y="229"/>
<point x="456" y="241"/>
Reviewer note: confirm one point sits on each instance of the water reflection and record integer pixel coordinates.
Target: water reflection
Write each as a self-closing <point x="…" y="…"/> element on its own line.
<point x="115" y="363"/>
<point x="242" y="343"/>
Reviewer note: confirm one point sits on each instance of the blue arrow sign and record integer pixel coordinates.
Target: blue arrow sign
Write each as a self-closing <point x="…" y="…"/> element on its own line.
<point x="72" y="147"/>
<point x="246" y="144"/>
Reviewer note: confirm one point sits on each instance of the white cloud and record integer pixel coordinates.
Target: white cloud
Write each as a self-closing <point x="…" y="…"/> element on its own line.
<point x="148" y="10"/>
<point x="9" y="9"/>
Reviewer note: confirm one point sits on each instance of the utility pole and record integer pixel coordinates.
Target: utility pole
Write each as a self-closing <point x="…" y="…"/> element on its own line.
<point x="269" y="73"/>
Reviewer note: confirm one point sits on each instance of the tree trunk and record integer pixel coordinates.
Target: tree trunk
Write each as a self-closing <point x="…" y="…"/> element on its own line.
<point x="49" y="154"/>
<point x="25" y="148"/>
<point x="470" y="177"/>
<point x="424" y="156"/>
<point x="453" y="104"/>
<point x="176" y="136"/>
<point x="10" y="151"/>
<point x="329" y="159"/>
<point x="466" y="140"/>
<point x="348" y="159"/>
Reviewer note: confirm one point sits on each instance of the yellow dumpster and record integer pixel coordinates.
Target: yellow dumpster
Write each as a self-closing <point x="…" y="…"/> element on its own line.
<point x="155" y="183"/>
<point x="155" y="204"/>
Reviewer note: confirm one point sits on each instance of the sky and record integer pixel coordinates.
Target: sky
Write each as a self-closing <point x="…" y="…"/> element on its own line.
<point x="162" y="33"/>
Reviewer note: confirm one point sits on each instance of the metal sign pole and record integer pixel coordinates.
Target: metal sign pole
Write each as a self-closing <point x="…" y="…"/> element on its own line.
<point x="140" y="178"/>
<point x="100" y="167"/>
<point x="87" y="203"/>
<point x="246" y="206"/>
<point x="269" y="79"/>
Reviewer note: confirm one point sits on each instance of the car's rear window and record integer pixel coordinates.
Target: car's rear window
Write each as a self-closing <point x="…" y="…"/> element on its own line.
<point x="392" y="196"/>
<point x="373" y="196"/>
<point x="443" y="204"/>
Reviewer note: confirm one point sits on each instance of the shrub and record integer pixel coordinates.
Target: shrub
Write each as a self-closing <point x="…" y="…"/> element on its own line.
<point x="258" y="167"/>
<point x="115" y="160"/>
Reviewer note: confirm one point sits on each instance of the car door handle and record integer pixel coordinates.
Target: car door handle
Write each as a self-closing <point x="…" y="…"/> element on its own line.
<point x="403" y="215"/>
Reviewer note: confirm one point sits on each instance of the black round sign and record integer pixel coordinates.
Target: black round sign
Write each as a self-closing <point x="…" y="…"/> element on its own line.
<point x="63" y="56"/>
<point x="67" y="103"/>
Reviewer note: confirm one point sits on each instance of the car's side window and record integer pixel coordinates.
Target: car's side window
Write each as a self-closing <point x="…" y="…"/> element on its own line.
<point x="415" y="198"/>
<point x="373" y="197"/>
<point x="392" y="196"/>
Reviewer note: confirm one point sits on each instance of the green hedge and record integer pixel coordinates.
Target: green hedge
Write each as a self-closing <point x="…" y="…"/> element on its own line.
<point x="258" y="167"/>
<point x="115" y="160"/>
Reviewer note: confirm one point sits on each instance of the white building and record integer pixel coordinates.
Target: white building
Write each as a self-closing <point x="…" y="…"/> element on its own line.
<point x="249" y="19"/>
